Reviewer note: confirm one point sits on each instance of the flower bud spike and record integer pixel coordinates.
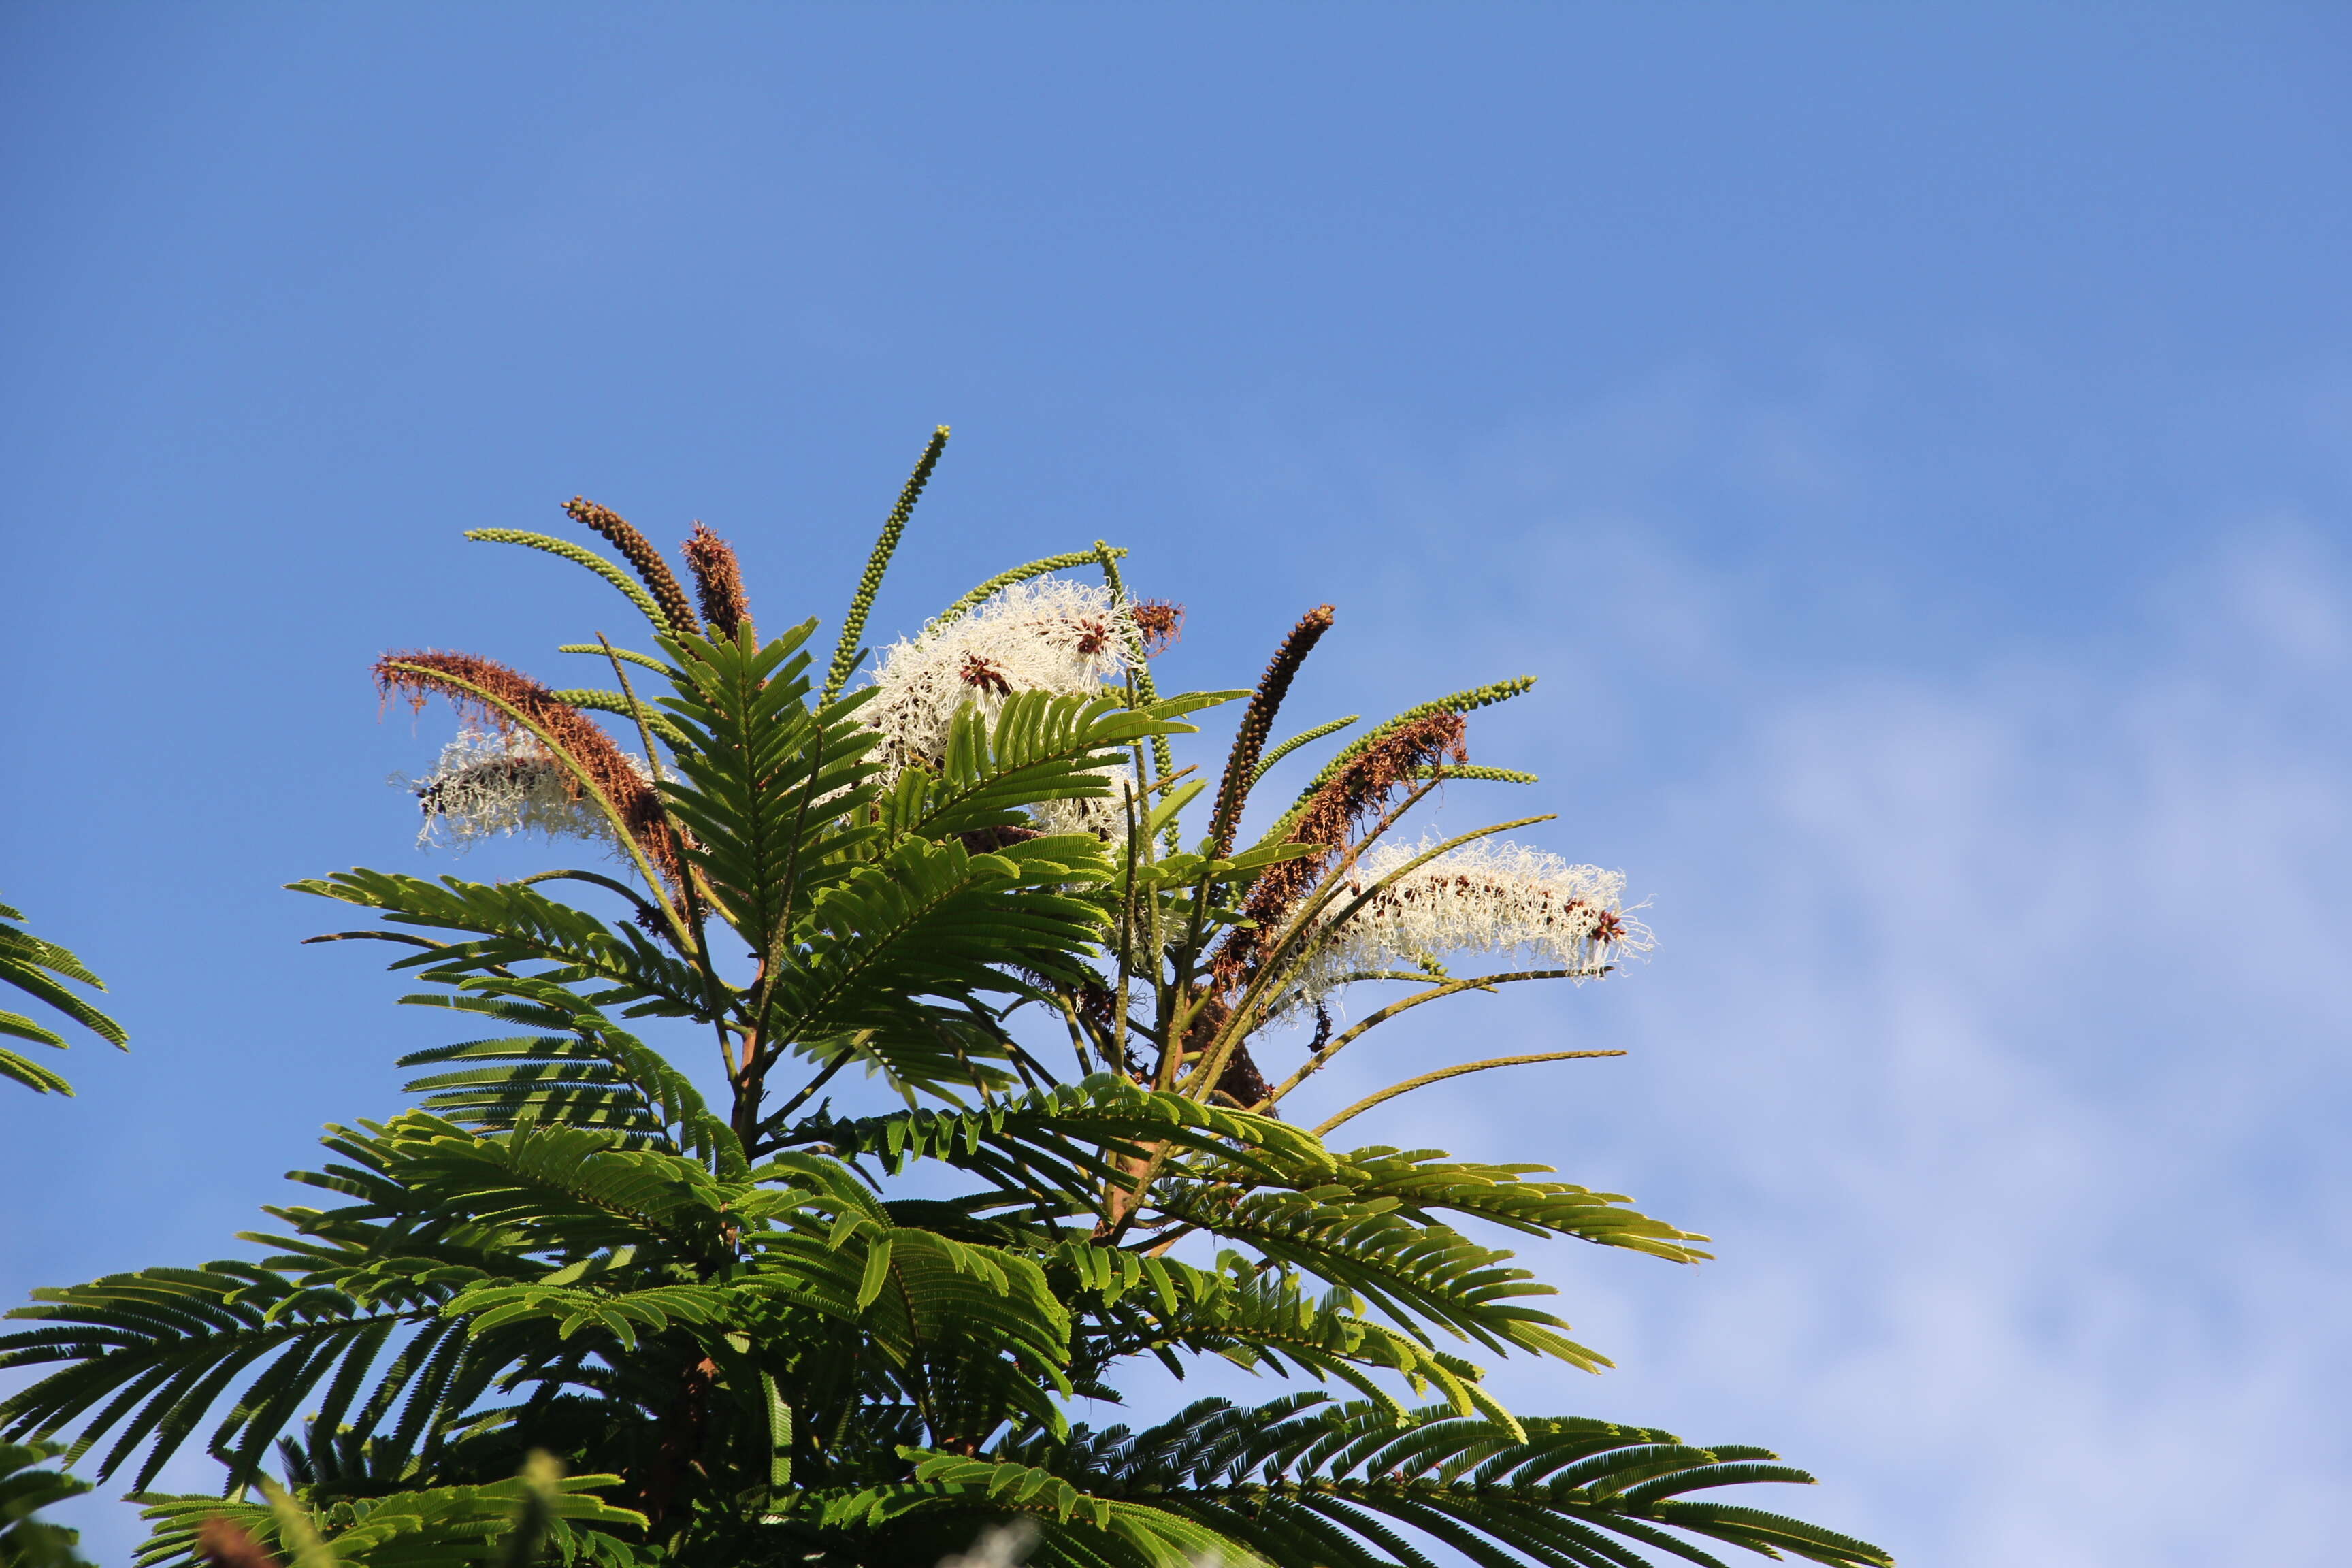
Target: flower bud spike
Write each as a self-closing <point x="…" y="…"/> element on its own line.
<point x="861" y="604"/>
<point x="1068" y="561"/>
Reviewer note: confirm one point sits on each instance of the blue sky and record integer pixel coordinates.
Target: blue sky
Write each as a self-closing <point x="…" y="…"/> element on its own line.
<point x="1914" y="446"/>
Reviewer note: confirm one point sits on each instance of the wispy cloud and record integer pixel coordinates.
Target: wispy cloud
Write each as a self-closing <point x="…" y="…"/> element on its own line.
<point x="2000" y="1032"/>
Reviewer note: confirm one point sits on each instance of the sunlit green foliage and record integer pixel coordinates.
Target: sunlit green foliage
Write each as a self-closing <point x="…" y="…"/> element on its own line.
<point x="744" y="1327"/>
<point x="39" y="969"/>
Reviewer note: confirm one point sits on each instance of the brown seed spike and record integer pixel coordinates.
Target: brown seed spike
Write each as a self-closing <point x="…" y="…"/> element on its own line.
<point x="221" y="1543"/>
<point x="1257" y="724"/>
<point x="652" y="569"/>
<point x="719" y="582"/>
<point x="471" y="683"/>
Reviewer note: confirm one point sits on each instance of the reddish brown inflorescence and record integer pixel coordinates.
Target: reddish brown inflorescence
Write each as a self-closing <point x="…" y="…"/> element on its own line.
<point x="718" y="582"/>
<point x="1356" y="795"/>
<point x="1160" y="621"/>
<point x="486" y="689"/>
<point x="1257" y="724"/>
<point x="983" y="675"/>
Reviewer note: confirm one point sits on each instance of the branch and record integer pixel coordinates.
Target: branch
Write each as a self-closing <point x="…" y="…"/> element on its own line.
<point x="599" y="879"/>
<point x="1409" y="1084"/>
<point x="1315" y="1063"/>
<point x="376" y="936"/>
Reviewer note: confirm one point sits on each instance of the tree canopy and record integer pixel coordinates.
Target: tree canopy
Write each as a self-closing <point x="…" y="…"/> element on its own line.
<point x="1016" y="1018"/>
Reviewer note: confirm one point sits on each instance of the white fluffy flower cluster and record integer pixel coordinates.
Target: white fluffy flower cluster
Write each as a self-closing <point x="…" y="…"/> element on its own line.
<point x="1490" y="897"/>
<point x="1049" y="634"/>
<point x="1000" y="1546"/>
<point x="486" y="784"/>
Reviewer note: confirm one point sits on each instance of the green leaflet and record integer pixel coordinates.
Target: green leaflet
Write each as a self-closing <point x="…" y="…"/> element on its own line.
<point x="26" y="1542"/>
<point x="1303" y="1479"/>
<point x="1041" y="747"/>
<point x="38" y="968"/>
<point x="512" y="924"/>
<point x="437" y="1527"/>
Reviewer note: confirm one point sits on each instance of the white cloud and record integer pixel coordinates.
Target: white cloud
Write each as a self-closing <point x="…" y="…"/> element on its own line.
<point x="1999" y="1025"/>
<point x="1999" y="1034"/>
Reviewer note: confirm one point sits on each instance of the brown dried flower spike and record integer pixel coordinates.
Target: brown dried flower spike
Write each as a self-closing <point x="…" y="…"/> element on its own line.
<point x="1357" y="794"/>
<point x="652" y="569"/>
<point x="1257" y="724"/>
<point x="221" y="1543"/>
<point x="719" y="582"/>
<point x="471" y="683"/>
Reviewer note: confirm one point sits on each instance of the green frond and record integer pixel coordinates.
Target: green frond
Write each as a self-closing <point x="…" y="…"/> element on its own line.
<point x="38" y="969"/>
<point x="21" y="947"/>
<point x="513" y="923"/>
<point x="1064" y="1134"/>
<point x="437" y="1527"/>
<point x="1420" y="1277"/>
<point x="904" y="947"/>
<point x="594" y="1076"/>
<point x="26" y="1542"/>
<point x="1424" y="1183"/>
<point x="1305" y="1480"/>
<point x="766" y="782"/>
<point x="152" y="1352"/>
<point x="1040" y="747"/>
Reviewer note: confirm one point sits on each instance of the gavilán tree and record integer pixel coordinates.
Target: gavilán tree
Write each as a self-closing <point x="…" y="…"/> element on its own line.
<point x="567" y="1309"/>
